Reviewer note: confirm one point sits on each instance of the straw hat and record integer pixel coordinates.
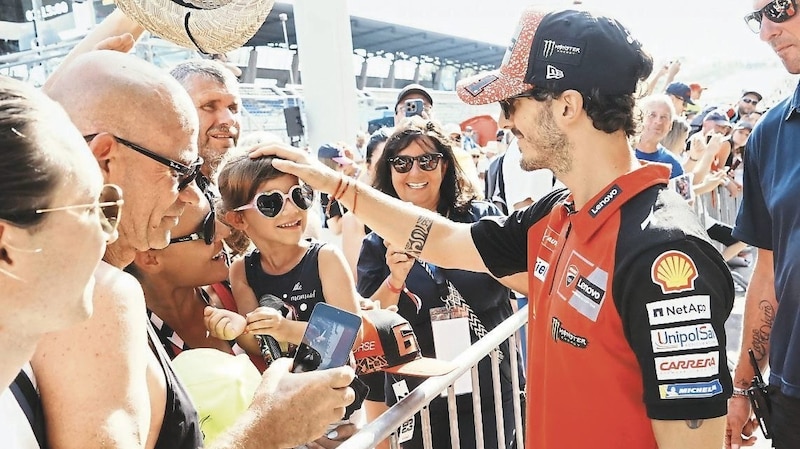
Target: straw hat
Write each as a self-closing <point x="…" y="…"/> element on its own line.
<point x="210" y="26"/>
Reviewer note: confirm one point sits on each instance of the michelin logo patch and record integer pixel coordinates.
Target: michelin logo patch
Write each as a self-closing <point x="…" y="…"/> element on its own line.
<point x="684" y="337"/>
<point x="559" y="333"/>
<point x="687" y="308"/>
<point x="693" y="390"/>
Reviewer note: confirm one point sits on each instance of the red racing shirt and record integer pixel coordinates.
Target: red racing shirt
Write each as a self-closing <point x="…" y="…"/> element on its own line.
<point x="628" y="302"/>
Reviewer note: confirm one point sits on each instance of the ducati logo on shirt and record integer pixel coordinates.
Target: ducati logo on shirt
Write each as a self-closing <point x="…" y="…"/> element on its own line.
<point x="572" y="273"/>
<point x="674" y="272"/>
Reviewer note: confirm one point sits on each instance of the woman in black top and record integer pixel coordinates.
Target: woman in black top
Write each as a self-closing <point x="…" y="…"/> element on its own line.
<point x="418" y="166"/>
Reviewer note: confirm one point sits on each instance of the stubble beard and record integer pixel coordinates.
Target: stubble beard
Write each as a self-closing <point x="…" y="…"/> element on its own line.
<point x="552" y="146"/>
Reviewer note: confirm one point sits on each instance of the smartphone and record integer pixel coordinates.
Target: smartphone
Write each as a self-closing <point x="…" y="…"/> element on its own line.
<point x="328" y="339"/>
<point x="414" y="107"/>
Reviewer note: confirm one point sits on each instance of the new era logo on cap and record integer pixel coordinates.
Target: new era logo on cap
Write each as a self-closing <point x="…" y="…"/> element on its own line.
<point x="553" y="73"/>
<point x="389" y="344"/>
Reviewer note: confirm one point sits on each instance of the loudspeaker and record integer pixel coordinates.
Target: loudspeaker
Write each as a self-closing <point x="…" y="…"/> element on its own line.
<point x="294" y="123"/>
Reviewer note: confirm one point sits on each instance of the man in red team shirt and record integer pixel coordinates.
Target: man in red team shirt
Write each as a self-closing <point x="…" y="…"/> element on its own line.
<point x="628" y="297"/>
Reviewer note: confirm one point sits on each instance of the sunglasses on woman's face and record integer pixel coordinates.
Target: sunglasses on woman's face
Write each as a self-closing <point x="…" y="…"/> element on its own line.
<point x="206" y="232"/>
<point x="270" y="204"/>
<point x="427" y="162"/>
<point x="776" y="11"/>
<point x="109" y="202"/>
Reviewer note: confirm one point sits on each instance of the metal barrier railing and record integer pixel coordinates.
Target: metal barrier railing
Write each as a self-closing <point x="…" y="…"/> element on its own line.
<point x="385" y="425"/>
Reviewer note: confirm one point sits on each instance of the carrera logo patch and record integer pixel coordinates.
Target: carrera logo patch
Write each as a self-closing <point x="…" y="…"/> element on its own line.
<point x="687" y="366"/>
<point x="559" y="333"/>
<point x="540" y="270"/>
<point x="687" y="308"/>
<point x="478" y="87"/>
<point x="684" y="337"/>
<point x="690" y="390"/>
<point x="601" y="204"/>
<point x="674" y="272"/>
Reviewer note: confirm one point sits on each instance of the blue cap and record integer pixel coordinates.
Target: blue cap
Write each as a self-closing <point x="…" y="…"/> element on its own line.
<point x="717" y="116"/>
<point x="682" y="91"/>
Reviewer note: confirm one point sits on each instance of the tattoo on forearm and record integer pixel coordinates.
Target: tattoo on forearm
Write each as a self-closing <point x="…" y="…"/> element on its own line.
<point x="694" y="423"/>
<point x="419" y="235"/>
<point x="761" y="333"/>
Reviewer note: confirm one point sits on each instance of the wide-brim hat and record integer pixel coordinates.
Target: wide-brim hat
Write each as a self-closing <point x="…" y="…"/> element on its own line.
<point x="210" y="26"/>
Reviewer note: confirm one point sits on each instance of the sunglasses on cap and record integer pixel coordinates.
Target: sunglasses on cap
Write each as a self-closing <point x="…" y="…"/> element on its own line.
<point x="270" y="204"/>
<point x="186" y="173"/>
<point x="109" y="202"/>
<point x="776" y="11"/>
<point x="206" y="232"/>
<point x="427" y="162"/>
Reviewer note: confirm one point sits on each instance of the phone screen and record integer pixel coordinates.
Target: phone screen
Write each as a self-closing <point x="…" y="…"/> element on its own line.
<point x="328" y="339"/>
<point x="414" y="107"/>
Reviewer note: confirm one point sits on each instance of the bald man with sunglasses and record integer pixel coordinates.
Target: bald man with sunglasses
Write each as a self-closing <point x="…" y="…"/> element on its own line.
<point x="769" y="219"/>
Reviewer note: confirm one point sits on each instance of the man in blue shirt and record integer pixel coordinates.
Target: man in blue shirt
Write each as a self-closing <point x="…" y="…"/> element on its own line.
<point x="657" y="111"/>
<point x="769" y="219"/>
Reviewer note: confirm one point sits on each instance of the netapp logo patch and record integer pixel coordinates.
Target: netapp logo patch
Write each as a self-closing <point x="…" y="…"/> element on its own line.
<point x="687" y="308"/>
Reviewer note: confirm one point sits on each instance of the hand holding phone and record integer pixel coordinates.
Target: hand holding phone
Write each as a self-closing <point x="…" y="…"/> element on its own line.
<point x="414" y="107"/>
<point x="328" y="339"/>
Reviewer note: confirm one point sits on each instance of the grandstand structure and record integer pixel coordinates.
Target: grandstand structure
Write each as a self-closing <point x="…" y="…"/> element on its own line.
<point x="269" y="61"/>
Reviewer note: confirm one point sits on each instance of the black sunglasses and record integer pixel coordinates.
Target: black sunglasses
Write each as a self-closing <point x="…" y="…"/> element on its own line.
<point x="186" y="174"/>
<point x="507" y="105"/>
<point x="776" y="11"/>
<point x="208" y="228"/>
<point x="270" y="204"/>
<point x="427" y="162"/>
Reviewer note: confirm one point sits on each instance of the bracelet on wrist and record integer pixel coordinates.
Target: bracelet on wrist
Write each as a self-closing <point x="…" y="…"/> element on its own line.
<point x="741" y="392"/>
<point x="392" y="288"/>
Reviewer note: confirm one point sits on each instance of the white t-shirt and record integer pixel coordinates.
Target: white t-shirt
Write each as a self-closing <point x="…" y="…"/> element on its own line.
<point x="15" y="430"/>
<point x="520" y="184"/>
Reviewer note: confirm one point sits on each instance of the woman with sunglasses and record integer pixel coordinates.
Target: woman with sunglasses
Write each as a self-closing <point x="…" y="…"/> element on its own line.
<point x="278" y="283"/>
<point x="418" y="166"/>
<point x="184" y="278"/>
<point x="51" y="191"/>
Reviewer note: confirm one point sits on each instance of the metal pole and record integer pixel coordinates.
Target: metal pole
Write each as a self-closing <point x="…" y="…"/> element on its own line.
<point x="284" y="18"/>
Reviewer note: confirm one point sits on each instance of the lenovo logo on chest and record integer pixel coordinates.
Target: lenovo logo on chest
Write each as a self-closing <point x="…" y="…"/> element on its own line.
<point x="590" y="290"/>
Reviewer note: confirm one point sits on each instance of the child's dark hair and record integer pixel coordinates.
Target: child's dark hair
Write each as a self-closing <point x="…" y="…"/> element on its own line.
<point x="240" y="177"/>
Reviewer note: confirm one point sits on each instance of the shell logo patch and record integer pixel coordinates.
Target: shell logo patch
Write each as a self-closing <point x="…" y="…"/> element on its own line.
<point x="674" y="272"/>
